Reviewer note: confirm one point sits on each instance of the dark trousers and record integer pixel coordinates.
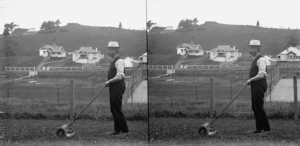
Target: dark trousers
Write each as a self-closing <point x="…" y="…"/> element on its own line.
<point x="116" y="95"/>
<point x="257" y="96"/>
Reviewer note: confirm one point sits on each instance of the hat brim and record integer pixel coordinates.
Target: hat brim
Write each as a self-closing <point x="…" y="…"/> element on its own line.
<point x="254" y="45"/>
<point x="113" y="47"/>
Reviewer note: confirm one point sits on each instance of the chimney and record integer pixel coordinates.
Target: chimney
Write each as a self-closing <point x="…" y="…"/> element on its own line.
<point x="233" y="47"/>
<point x="96" y="50"/>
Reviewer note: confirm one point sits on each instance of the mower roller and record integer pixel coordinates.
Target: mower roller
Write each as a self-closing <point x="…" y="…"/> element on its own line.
<point x="206" y="128"/>
<point x="65" y="130"/>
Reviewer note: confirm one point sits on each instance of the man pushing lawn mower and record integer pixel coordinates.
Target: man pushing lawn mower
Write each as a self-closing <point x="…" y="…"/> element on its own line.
<point x="257" y="80"/>
<point x="116" y="85"/>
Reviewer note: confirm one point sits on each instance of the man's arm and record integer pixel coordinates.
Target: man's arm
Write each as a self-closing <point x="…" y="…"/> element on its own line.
<point x="120" y="65"/>
<point x="262" y="65"/>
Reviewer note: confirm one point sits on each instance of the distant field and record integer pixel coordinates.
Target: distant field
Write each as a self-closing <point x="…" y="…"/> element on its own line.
<point x="163" y="59"/>
<point x="23" y="61"/>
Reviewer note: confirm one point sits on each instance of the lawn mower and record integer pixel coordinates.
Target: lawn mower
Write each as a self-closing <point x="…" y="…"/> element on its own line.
<point x="206" y="128"/>
<point x="65" y="130"/>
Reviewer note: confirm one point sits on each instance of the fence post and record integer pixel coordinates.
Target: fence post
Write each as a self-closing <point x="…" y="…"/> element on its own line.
<point x="57" y="95"/>
<point x="93" y="91"/>
<point x="196" y="91"/>
<point x="72" y="99"/>
<point x="7" y="92"/>
<point x="212" y="91"/>
<point x="295" y="98"/>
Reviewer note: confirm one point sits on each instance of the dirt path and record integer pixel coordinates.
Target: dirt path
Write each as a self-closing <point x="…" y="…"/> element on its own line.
<point x="140" y="95"/>
<point x="229" y="131"/>
<point x="284" y="91"/>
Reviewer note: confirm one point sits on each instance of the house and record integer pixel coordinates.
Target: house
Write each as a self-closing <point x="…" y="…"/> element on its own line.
<point x="224" y="53"/>
<point x="143" y="58"/>
<point x="168" y="29"/>
<point x="190" y="49"/>
<point x="86" y="55"/>
<point x="52" y="51"/>
<point x="30" y="31"/>
<point x="290" y="54"/>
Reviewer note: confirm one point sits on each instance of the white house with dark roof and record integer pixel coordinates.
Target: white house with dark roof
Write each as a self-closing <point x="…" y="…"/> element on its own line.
<point x="86" y="55"/>
<point x="190" y="49"/>
<point x="143" y="58"/>
<point x="289" y="54"/>
<point x="52" y="51"/>
<point x="224" y="53"/>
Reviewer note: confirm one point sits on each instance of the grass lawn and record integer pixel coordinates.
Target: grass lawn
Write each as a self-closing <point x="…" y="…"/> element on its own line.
<point x="178" y="131"/>
<point x="88" y="132"/>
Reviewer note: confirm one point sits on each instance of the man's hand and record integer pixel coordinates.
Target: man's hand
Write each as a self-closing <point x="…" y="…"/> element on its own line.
<point x="107" y="83"/>
<point x="248" y="82"/>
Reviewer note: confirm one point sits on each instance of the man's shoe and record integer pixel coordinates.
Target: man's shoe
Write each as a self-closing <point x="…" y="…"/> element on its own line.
<point x="113" y="133"/>
<point x="265" y="133"/>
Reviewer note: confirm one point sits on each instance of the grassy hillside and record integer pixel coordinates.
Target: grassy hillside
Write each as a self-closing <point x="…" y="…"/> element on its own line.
<point x="133" y="42"/>
<point x="213" y="34"/>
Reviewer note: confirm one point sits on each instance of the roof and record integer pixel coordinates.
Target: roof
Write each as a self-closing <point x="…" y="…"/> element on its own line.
<point x="295" y="50"/>
<point x="145" y="54"/>
<point x="86" y="49"/>
<point x="190" y="46"/>
<point x="223" y="48"/>
<point x="54" y="48"/>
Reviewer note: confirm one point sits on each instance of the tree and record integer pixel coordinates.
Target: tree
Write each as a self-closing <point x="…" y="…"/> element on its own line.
<point x="49" y="26"/>
<point x="195" y="21"/>
<point x="9" y="47"/>
<point x="292" y="39"/>
<point x="120" y="25"/>
<point x="257" y="23"/>
<point x="6" y="32"/>
<point x="187" y="24"/>
<point x="57" y="23"/>
<point x="9" y="28"/>
<point x="150" y="24"/>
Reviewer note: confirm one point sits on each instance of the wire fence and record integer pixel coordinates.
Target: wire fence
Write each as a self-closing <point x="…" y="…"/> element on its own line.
<point x="53" y="92"/>
<point x="193" y="90"/>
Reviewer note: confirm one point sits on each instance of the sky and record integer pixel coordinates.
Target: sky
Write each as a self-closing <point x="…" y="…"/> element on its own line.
<point x="32" y="13"/>
<point x="269" y="13"/>
<point x="132" y="13"/>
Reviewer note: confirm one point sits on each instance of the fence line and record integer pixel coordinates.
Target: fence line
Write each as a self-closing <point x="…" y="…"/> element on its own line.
<point x="160" y="66"/>
<point x="19" y="68"/>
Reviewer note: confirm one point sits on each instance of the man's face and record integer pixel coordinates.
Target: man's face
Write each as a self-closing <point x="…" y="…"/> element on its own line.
<point x="111" y="52"/>
<point x="253" y="51"/>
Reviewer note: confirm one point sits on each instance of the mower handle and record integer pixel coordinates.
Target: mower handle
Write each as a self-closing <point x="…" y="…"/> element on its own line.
<point x="234" y="97"/>
<point x="89" y="103"/>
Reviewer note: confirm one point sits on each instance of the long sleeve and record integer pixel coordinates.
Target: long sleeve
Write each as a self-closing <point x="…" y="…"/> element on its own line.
<point x="262" y="66"/>
<point x="120" y="65"/>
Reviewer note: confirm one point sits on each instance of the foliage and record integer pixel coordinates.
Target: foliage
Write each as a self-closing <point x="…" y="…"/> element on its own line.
<point x="8" y="48"/>
<point x="157" y="30"/>
<point x="292" y="39"/>
<point x="120" y="25"/>
<point x="150" y="25"/>
<point x="6" y="32"/>
<point x="50" y="26"/>
<point x="187" y="24"/>
<point x="8" y="28"/>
